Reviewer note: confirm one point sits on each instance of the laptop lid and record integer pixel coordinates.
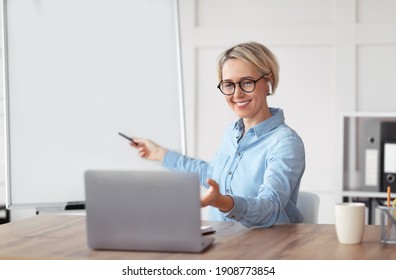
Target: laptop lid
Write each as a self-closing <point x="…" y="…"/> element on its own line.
<point x="144" y="211"/>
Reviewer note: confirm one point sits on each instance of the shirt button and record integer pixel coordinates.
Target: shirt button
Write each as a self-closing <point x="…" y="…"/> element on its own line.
<point x="239" y="154"/>
<point x="229" y="172"/>
<point x="227" y="191"/>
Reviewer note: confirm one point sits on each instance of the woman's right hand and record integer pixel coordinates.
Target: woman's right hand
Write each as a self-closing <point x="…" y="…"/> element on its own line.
<point x="148" y="149"/>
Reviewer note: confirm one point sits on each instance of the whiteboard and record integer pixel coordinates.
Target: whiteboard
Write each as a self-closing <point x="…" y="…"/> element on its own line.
<point x="77" y="72"/>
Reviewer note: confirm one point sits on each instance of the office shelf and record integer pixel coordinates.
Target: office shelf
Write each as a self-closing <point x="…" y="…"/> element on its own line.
<point x="361" y="158"/>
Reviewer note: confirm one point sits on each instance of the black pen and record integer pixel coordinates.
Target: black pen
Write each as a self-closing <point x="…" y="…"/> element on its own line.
<point x="129" y="138"/>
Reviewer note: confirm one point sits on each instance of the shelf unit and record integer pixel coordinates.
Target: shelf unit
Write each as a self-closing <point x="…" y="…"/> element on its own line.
<point x="361" y="156"/>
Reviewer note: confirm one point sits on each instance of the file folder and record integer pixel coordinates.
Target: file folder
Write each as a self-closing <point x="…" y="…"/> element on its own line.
<point x="371" y="143"/>
<point x="389" y="172"/>
<point x="388" y="156"/>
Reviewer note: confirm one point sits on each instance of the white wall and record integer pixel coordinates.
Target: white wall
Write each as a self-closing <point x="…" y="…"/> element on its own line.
<point x="335" y="56"/>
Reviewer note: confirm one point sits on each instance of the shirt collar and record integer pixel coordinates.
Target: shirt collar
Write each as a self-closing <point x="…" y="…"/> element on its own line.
<point x="265" y="126"/>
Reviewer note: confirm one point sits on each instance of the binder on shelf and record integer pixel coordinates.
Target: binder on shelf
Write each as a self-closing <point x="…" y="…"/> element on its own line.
<point x="371" y="138"/>
<point x="389" y="172"/>
<point x="388" y="155"/>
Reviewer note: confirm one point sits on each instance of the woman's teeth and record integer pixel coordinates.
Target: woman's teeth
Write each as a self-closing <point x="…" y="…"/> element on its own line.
<point x="243" y="103"/>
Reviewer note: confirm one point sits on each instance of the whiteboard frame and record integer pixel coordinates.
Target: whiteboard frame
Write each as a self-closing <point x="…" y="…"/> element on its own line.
<point x="8" y="183"/>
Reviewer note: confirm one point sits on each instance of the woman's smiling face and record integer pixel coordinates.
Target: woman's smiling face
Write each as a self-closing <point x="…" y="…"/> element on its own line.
<point x="251" y="107"/>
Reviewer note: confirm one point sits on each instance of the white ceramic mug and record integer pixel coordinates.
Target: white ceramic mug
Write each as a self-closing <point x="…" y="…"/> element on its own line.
<point x="349" y="222"/>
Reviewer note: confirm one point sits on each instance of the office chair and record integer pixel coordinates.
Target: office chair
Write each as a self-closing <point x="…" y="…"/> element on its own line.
<point x="308" y="204"/>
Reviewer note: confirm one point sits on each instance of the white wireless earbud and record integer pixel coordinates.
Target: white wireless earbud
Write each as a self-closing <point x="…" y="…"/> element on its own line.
<point x="269" y="88"/>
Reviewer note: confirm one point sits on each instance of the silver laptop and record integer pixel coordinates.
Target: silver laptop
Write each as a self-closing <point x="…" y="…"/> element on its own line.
<point x="144" y="211"/>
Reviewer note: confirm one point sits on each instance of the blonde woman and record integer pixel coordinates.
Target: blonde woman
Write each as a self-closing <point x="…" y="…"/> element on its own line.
<point x="254" y="177"/>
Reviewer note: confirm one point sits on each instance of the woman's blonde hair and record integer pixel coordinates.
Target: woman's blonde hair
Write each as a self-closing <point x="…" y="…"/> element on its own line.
<point x="255" y="54"/>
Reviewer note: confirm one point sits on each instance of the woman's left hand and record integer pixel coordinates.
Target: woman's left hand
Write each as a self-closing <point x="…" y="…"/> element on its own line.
<point x="214" y="198"/>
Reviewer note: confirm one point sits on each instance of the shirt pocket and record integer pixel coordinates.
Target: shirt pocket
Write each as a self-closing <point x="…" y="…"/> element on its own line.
<point x="218" y="166"/>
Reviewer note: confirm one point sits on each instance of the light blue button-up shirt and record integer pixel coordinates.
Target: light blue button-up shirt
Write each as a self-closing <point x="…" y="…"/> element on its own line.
<point x="260" y="170"/>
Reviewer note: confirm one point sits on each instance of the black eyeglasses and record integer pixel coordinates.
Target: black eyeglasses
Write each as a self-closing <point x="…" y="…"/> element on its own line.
<point x="246" y="85"/>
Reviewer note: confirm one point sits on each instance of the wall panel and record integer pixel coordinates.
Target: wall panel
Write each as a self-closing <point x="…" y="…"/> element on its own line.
<point x="233" y="13"/>
<point x="369" y="11"/>
<point x="376" y="78"/>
